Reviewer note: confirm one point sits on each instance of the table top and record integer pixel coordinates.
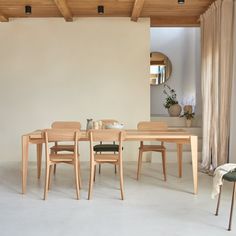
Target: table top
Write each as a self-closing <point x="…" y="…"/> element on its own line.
<point x="132" y="135"/>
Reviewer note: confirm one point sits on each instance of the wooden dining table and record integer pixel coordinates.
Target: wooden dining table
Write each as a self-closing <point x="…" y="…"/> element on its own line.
<point x="178" y="136"/>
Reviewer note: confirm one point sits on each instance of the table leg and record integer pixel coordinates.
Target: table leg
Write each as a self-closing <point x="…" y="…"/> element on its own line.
<point x="25" y="155"/>
<point x="179" y="154"/>
<point x="39" y="159"/>
<point x="194" y="150"/>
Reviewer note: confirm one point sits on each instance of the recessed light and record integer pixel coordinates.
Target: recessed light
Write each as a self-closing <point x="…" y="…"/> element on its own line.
<point x="100" y="9"/>
<point x="181" y="1"/>
<point x="28" y="10"/>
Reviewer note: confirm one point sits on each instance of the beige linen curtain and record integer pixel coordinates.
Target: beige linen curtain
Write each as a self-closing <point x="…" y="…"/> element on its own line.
<point x="217" y="27"/>
<point x="232" y="154"/>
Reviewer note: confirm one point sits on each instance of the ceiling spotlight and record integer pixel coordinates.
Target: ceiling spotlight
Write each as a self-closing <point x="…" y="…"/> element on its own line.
<point x="28" y="10"/>
<point x="100" y="9"/>
<point x="181" y="1"/>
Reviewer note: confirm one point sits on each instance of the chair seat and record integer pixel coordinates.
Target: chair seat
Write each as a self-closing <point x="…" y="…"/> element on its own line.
<point x="152" y="148"/>
<point x="106" y="158"/>
<point x="106" y="148"/>
<point x="230" y="176"/>
<point x="61" y="157"/>
<point x="58" y="148"/>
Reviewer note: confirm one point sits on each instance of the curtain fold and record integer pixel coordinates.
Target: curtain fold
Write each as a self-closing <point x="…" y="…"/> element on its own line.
<point x="217" y="27"/>
<point x="232" y="156"/>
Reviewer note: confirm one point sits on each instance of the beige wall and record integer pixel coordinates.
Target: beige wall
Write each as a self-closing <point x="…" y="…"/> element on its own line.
<point x="54" y="70"/>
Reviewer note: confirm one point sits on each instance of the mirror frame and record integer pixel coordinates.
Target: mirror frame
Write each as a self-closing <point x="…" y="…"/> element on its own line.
<point x="153" y="79"/>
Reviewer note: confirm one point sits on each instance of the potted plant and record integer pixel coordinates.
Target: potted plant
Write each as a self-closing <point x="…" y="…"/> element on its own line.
<point x="171" y="102"/>
<point x="189" y="116"/>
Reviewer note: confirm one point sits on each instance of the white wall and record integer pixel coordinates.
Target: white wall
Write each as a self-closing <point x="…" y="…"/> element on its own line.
<point x="182" y="46"/>
<point x="53" y="70"/>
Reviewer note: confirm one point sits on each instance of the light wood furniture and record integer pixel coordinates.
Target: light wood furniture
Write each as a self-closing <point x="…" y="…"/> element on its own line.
<point x="178" y="136"/>
<point x="177" y="123"/>
<point x="104" y="147"/>
<point x="161" y="12"/>
<point x="66" y="125"/>
<point x="56" y="135"/>
<point x="57" y="148"/>
<point x="101" y="158"/>
<point x="74" y="125"/>
<point x="152" y="126"/>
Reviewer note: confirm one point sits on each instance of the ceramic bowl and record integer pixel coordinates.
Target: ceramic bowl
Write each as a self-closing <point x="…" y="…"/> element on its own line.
<point x="114" y="126"/>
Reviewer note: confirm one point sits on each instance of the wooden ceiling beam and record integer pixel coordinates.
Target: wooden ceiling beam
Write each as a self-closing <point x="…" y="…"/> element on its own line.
<point x="64" y="9"/>
<point x="175" y="21"/>
<point x="3" y="18"/>
<point x="137" y="9"/>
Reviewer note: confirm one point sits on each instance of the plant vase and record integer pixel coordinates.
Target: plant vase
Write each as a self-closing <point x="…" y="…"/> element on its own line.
<point x="188" y="108"/>
<point x="188" y="123"/>
<point x="175" y="110"/>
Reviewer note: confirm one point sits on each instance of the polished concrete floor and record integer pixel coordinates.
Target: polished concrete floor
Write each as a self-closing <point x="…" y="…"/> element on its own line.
<point x="151" y="206"/>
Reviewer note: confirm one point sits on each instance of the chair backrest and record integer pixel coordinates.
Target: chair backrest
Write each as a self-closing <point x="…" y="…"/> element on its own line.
<point x="108" y="122"/>
<point x="106" y="135"/>
<point x="110" y="135"/>
<point x="152" y="125"/>
<point x="75" y="125"/>
<point x="52" y="135"/>
<point x="61" y="135"/>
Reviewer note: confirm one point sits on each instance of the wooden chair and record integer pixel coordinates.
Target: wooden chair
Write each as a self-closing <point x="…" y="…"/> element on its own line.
<point x="108" y="157"/>
<point x="151" y="126"/>
<point x="74" y="125"/>
<point x="60" y="135"/>
<point x="231" y="177"/>
<point x="66" y="125"/>
<point x="111" y="147"/>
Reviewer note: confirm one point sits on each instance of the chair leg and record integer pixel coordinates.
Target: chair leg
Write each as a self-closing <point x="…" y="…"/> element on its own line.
<point x="55" y="166"/>
<point x="139" y="164"/>
<point x="99" y="170"/>
<point x="94" y="175"/>
<point x="50" y="176"/>
<point x="91" y="181"/>
<point x="121" y="180"/>
<point x="79" y="170"/>
<point x="115" y="165"/>
<point x="218" y="202"/>
<point x="46" y="181"/>
<point x="163" y="153"/>
<point x="76" y="178"/>
<point x="231" y="210"/>
<point x="39" y="159"/>
<point x="55" y="169"/>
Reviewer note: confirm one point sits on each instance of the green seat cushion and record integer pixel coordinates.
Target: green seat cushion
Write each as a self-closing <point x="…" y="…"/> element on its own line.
<point x="230" y="176"/>
<point x="106" y="148"/>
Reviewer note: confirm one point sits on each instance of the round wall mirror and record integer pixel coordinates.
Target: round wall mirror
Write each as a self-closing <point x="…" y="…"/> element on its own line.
<point x="160" y="68"/>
